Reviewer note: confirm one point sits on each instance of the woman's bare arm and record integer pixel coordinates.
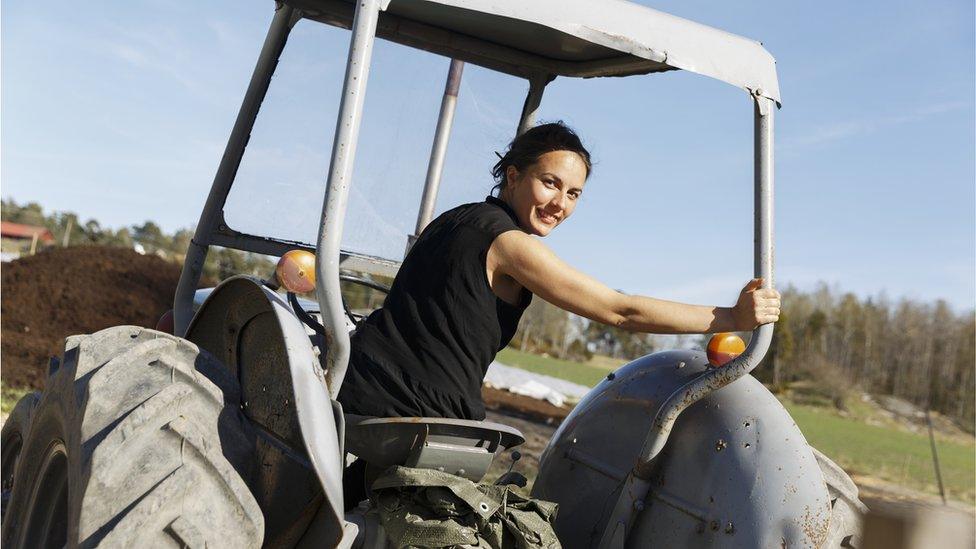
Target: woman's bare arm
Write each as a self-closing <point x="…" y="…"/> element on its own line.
<point x="533" y="265"/>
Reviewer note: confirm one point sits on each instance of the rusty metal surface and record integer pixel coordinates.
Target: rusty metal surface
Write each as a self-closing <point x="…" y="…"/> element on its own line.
<point x="736" y="471"/>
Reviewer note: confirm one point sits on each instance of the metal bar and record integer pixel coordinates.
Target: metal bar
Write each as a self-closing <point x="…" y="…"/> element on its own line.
<point x="210" y="218"/>
<point x="337" y="192"/>
<point x="636" y="485"/>
<point x="438" y="152"/>
<point x="351" y="261"/>
<point x="537" y="85"/>
<point x="716" y="378"/>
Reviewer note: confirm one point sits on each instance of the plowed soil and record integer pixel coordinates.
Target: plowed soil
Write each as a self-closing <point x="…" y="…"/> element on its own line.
<point x="65" y="291"/>
<point x="80" y="290"/>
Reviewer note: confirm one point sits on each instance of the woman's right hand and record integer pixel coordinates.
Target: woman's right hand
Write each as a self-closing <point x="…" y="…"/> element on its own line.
<point x="756" y="306"/>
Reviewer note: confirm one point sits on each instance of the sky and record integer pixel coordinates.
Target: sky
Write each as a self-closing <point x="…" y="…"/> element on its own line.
<point x="120" y="112"/>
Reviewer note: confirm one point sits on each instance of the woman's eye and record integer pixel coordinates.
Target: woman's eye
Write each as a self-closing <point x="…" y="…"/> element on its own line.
<point x="549" y="182"/>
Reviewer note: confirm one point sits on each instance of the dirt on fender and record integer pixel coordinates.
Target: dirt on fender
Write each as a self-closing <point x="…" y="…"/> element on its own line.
<point x="79" y="290"/>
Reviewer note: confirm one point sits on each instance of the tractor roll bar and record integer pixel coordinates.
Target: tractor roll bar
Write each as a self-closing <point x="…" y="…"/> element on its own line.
<point x="537" y="85"/>
<point x="716" y="378"/>
<point x="439" y="150"/>
<point x="635" y="487"/>
<point x="211" y="217"/>
<point x="337" y="192"/>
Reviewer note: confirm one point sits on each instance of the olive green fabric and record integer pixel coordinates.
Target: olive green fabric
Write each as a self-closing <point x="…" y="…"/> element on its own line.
<point x="427" y="508"/>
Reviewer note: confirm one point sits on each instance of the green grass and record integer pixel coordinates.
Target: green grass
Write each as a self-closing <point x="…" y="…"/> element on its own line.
<point x="889" y="453"/>
<point x="583" y="374"/>
<point x="9" y="397"/>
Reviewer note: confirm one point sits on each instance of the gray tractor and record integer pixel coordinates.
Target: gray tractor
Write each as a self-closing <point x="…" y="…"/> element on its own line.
<point x="228" y="434"/>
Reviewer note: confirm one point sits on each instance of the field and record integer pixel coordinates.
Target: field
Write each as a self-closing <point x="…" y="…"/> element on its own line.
<point x="862" y="440"/>
<point x="587" y="374"/>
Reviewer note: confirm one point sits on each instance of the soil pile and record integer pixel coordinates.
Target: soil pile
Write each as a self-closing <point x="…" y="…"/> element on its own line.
<point x="78" y="290"/>
<point x="501" y="401"/>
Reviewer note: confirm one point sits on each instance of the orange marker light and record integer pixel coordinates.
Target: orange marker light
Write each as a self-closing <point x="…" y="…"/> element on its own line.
<point x="296" y="271"/>
<point x="723" y="347"/>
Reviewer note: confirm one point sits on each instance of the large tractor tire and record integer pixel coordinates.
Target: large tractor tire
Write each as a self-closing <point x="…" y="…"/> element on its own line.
<point x="846" y="509"/>
<point x="12" y="442"/>
<point x="138" y="440"/>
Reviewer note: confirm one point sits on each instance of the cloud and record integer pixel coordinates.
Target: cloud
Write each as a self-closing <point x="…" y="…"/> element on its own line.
<point x="843" y="130"/>
<point x="128" y="54"/>
<point x="224" y="33"/>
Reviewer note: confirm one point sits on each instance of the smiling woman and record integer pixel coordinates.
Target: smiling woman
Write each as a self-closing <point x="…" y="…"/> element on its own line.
<point x="464" y="285"/>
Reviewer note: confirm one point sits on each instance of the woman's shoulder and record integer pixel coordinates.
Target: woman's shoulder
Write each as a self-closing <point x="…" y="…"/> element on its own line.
<point x="491" y="215"/>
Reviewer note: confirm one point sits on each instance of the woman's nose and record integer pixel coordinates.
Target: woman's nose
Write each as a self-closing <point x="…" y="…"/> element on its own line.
<point x="559" y="201"/>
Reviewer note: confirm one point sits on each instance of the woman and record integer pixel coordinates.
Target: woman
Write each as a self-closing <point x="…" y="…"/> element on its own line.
<point x="461" y="290"/>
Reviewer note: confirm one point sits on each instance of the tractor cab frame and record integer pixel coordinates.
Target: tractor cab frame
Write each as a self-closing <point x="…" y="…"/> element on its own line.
<point x="537" y="41"/>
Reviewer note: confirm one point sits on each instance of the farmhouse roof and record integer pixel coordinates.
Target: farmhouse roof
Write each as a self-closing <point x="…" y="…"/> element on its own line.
<point x="17" y="230"/>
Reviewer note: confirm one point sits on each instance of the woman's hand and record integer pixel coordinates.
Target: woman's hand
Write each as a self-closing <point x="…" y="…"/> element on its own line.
<point x="755" y="306"/>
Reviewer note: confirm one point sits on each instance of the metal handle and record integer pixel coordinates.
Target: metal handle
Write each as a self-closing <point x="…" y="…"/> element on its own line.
<point x="716" y="378"/>
<point x="634" y="490"/>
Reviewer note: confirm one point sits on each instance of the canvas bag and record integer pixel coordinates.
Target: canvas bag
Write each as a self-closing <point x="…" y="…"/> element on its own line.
<point x="428" y="508"/>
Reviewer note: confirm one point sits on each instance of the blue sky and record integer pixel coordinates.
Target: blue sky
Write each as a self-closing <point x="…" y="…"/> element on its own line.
<point x="120" y="112"/>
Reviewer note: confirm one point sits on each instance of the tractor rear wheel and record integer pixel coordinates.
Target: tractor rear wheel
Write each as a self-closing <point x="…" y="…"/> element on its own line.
<point x="137" y="440"/>
<point x="846" y="510"/>
<point x="12" y="442"/>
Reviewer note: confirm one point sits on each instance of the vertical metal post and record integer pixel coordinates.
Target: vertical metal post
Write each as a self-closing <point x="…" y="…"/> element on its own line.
<point x="763" y="205"/>
<point x="634" y="491"/>
<point x="537" y="85"/>
<point x="438" y="152"/>
<point x="274" y="43"/>
<point x="935" y="455"/>
<point x="337" y="192"/>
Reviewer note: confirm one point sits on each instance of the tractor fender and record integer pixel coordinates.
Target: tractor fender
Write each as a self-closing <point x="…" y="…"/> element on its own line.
<point x="735" y="472"/>
<point x="253" y="331"/>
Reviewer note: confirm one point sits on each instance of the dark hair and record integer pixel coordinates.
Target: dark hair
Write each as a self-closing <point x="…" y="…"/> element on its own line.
<point x="526" y="149"/>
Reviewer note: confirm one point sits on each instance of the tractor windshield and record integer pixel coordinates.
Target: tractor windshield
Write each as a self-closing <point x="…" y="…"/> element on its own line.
<point x="280" y="186"/>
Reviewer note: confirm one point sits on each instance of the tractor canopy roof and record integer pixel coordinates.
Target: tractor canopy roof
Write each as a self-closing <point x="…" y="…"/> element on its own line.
<point x="581" y="38"/>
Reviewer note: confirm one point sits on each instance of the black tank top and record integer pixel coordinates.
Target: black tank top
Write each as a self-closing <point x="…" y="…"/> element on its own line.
<point x="426" y="351"/>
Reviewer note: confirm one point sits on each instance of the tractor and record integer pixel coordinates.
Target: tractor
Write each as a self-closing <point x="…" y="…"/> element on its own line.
<point x="225" y="431"/>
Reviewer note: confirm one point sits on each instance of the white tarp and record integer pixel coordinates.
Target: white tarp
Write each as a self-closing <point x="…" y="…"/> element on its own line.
<point x="542" y="387"/>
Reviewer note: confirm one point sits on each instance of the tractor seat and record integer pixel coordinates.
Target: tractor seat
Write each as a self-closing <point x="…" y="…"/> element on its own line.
<point x="457" y="446"/>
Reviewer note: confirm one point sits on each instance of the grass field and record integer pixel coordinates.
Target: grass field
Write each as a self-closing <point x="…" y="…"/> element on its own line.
<point x="588" y="374"/>
<point x="9" y="397"/>
<point x="887" y="451"/>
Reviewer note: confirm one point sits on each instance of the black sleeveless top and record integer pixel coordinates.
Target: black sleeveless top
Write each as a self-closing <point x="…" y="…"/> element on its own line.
<point x="426" y="351"/>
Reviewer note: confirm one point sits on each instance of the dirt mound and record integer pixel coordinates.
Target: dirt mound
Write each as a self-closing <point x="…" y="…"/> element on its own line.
<point x="67" y="291"/>
<point x="520" y="406"/>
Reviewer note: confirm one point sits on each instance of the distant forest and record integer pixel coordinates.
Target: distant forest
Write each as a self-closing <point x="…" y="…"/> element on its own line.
<point x="922" y="352"/>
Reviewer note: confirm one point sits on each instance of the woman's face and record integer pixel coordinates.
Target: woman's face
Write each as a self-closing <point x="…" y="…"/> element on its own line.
<point x="544" y="194"/>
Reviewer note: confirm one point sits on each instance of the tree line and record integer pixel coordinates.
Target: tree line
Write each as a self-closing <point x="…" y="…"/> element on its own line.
<point x="922" y="352"/>
<point x="834" y="341"/>
<point x="69" y="230"/>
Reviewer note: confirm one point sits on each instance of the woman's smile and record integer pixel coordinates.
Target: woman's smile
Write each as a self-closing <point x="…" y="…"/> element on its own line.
<point x="547" y="218"/>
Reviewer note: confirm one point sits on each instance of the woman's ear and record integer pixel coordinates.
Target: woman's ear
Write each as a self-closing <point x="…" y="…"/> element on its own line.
<point x="511" y="175"/>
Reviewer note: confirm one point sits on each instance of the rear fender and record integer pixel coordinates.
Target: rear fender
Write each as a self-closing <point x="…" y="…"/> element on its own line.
<point x="736" y="471"/>
<point x="254" y="332"/>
